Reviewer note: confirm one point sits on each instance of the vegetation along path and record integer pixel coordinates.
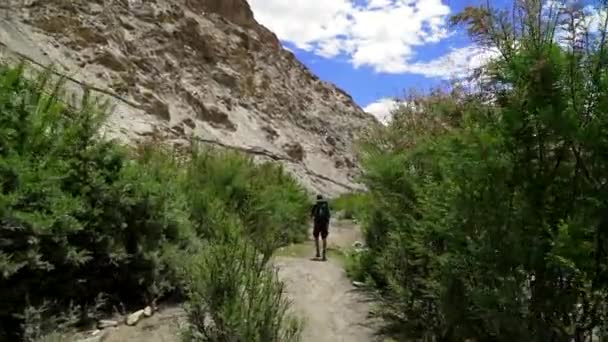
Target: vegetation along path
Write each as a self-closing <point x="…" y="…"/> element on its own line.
<point x="321" y="294"/>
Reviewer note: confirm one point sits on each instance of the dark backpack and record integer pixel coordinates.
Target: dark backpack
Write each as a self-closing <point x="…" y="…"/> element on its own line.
<point x="322" y="213"/>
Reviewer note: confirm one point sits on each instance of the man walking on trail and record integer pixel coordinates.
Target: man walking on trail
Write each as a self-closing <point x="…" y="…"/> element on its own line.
<point x="320" y="213"/>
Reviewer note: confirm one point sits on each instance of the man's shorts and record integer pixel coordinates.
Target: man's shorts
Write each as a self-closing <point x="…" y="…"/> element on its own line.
<point x="321" y="228"/>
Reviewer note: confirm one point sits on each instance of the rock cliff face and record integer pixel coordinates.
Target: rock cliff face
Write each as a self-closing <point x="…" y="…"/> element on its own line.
<point x="176" y="69"/>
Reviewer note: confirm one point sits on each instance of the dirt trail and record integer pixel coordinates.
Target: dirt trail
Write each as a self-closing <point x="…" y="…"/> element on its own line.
<point x="323" y="296"/>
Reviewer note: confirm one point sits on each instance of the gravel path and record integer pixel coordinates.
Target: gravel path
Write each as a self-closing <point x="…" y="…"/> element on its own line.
<point x="322" y="294"/>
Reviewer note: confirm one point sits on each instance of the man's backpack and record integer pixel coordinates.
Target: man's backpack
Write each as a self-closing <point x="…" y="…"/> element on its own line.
<point x="322" y="212"/>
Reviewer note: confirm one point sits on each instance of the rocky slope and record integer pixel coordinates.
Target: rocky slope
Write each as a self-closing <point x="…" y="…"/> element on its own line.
<point x="177" y="69"/>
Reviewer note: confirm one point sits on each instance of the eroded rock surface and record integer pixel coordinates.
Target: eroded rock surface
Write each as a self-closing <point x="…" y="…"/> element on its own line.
<point x="203" y="68"/>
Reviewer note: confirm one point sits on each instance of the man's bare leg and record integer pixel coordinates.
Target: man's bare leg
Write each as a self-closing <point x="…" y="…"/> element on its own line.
<point x="317" y="246"/>
<point x="324" y="249"/>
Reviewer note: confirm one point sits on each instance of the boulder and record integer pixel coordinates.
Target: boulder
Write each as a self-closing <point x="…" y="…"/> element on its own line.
<point x="134" y="318"/>
<point x="148" y="311"/>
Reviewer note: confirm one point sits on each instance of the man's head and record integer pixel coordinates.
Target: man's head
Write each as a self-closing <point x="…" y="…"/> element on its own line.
<point x="319" y="197"/>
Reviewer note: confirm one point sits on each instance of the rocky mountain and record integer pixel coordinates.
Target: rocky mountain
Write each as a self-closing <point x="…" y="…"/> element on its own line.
<point x="177" y="69"/>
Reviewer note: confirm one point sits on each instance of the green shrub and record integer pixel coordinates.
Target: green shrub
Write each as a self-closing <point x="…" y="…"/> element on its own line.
<point x="352" y="205"/>
<point x="488" y="218"/>
<point x="76" y="218"/>
<point x="359" y="265"/>
<point x="235" y="296"/>
<point x="81" y="216"/>
<point x="270" y="204"/>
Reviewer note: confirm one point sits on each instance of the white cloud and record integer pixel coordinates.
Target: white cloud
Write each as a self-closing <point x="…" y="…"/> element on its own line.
<point x="592" y="21"/>
<point x="596" y="18"/>
<point x="458" y="63"/>
<point x="381" y="34"/>
<point x="382" y="109"/>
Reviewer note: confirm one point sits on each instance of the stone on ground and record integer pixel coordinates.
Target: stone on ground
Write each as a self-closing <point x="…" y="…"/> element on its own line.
<point x="135" y="317"/>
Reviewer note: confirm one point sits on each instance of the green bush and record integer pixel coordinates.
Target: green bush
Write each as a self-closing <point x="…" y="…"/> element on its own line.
<point x="235" y="296"/>
<point x="81" y="216"/>
<point x="352" y="205"/>
<point x="488" y="218"/>
<point x="359" y="265"/>
<point x="268" y="203"/>
<point x="76" y="219"/>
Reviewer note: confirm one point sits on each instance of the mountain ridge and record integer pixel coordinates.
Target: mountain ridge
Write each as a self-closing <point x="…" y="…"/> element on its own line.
<point x="203" y="69"/>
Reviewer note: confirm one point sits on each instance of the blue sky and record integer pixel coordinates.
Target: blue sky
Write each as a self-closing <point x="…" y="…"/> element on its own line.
<point x="375" y="49"/>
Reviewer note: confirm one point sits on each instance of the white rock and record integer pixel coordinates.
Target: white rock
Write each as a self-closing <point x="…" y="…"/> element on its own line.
<point x="106" y="323"/>
<point x="96" y="9"/>
<point x="358" y="244"/>
<point x="135" y="317"/>
<point x="148" y="311"/>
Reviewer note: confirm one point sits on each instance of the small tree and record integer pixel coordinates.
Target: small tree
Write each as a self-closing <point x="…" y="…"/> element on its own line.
<point x="489" y="223"/>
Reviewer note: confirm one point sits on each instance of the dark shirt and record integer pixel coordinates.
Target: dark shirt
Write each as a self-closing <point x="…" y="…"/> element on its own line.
<point x="313" y="212"/>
